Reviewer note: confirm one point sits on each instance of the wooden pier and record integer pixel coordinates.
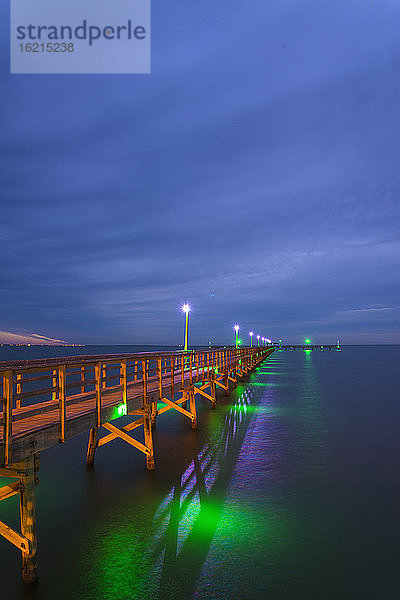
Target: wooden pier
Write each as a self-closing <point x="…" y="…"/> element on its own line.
<point x="47" y="402"/>
<point x="307" y="347"/>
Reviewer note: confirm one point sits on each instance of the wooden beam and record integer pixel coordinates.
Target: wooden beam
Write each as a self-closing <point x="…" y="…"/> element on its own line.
<point x="21" y="542"/>
<point x="220" y="385"/>
<point x="177" y="407"/>
<point x="127" y="438"/>
<point x="10" y="473"/>
<point x="200" y="391"/>
<point x="112" y="436"/>
<point x="6" y="491"/>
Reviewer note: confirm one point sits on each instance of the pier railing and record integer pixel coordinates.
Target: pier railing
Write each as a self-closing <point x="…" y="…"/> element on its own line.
<point x="46" y="402"/>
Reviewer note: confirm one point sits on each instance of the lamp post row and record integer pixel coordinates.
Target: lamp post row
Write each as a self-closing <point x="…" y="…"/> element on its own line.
<point x="186" y="308"/>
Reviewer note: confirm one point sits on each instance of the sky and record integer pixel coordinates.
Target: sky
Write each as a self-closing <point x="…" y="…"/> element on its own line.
<point x="253" y="174"/>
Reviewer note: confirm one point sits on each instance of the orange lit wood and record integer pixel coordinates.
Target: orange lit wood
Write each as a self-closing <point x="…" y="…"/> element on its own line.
<point x="85" y="393"/>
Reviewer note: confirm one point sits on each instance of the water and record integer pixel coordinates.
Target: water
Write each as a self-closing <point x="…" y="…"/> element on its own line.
<point x="289" y="490"/>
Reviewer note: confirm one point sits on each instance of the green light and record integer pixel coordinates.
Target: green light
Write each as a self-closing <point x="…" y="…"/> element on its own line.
<point x="122" y="410"/>
<point x="307" y="341"/>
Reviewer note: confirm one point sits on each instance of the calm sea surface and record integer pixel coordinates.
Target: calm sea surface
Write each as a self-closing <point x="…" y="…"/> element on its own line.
<point x="289" y="490"/>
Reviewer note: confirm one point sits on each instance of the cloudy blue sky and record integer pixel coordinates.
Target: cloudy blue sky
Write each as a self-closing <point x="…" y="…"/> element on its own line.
<point x="254" y="173"/>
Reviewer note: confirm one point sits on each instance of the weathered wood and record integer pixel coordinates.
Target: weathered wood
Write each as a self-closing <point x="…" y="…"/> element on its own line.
<point x="6" y="491"/>
<point x="7" y="418"/>
<point x="127" y="438"/>
<point x="82" y="380"/>
<point x="92" y="445"/>
<point x="203" y="393"/>
<point x="113" y="436"/>
<point x="28" y="521"/>
<point x="192" y="405"/>
<point x="148" y="440"/>
<point x="10" y="472"/>
<point x="97" y="373"/>
<point x="177" y="407"/>
<point x="21" y="542"/>
<point x="61" y="402"/>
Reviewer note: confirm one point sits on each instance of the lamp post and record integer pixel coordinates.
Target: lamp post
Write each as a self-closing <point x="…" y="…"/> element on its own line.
<point x="263" y="341"/>
<point x="186" y="309"/>
<point x="236" y="328"/>
<point x="251" y="333"/>
<point x="258" y="340"/>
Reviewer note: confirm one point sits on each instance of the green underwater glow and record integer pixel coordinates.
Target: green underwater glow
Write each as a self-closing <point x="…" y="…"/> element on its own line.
<point x="119" y="411"/>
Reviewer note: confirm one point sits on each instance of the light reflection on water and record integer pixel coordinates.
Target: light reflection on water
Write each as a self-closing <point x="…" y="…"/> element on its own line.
<point x="288" y="490"/>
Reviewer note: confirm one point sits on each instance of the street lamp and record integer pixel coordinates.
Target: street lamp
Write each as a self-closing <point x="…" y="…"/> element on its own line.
<point x="236" y="328"/>
<point x="258" y="340"/>
<point x="186" y="309"/>
<point x="263" y="341"/>
<point x="251" y="333"/>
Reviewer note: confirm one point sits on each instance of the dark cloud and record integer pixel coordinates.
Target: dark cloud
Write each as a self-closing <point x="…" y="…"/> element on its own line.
<point x="258" y="162"/>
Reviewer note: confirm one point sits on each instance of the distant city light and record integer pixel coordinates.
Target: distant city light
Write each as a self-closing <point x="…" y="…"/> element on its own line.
<point x="307" y="341"/>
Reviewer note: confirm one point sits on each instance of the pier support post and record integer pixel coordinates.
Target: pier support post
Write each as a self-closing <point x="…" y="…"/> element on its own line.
<point x="226" y="384"/>
<point x="192" y="402"/>
<point x="28" y="520"/>
<point x="213" y="389"/>
<point x="92" y="445"/>
<point x="153" y="414"/>
<point x="148" y="440"/>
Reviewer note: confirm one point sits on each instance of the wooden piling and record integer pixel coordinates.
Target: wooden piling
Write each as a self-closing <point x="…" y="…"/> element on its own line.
<point x="28" y="521"/>
<point x="92" y="445"/>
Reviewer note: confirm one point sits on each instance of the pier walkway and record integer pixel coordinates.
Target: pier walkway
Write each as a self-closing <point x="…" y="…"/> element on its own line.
<point x="46" y="402"/>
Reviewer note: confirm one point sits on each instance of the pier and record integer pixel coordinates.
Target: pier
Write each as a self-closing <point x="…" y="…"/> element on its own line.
<point x="49" y="401"/>
<point x="307" y="347"/>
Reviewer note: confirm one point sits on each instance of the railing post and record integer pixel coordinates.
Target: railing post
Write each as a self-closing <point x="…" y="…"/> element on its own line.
<point x="172" y="376"/>
<point x="8" y="378"/>
<point x="54" y="394"/>
<point x="61" y="402"/>
<point x="124" y="383"/>
<point x="18" y="391"/>
<point x="104" y="376"/>
<point x="97" y="377"/>
<point x="82" y="380"/>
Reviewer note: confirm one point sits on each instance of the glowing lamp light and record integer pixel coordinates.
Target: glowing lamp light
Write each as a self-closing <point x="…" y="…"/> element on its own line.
<point x="236" y="328"/>
<point x="251" y="333"/>
<point x="307" y="341"/>
<point x="258" y="340"/>
<point x="185" y="308"/>
<point x="268" y="341"/>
